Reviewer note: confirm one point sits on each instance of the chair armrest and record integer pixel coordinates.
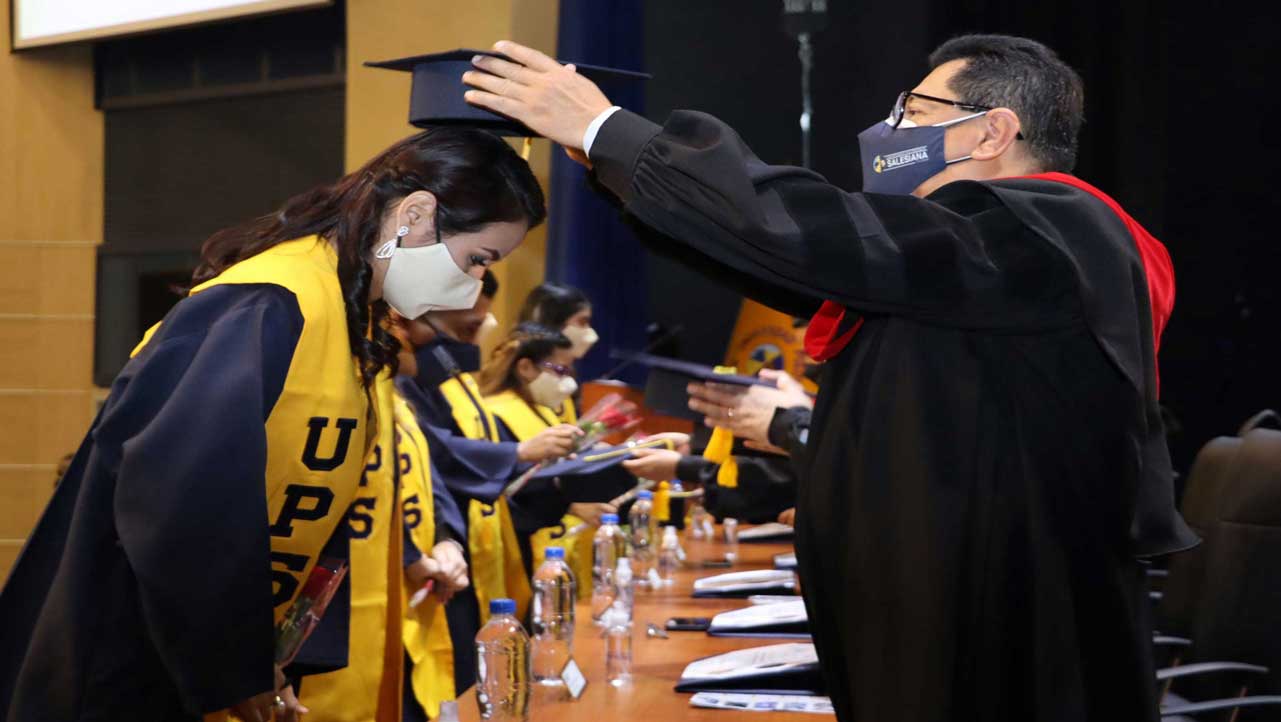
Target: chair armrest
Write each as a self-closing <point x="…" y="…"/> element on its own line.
<point x="1162" y="640"/>
<point x="1193" y="670"/>
<point x="1194" y="708"/>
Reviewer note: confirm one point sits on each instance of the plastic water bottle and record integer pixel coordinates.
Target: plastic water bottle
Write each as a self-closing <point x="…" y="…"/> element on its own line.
<point x="731" y="539"/>
<point x="618" y="645"/>
<point x="555" y="590"/>
<point x="609" y="546"/>
<point x="667" y="556"/>
<point x="642" y="524"/>
<point x="697" y="522"/>
<point x="502" y="665"/>
<point x="625" y="586"/>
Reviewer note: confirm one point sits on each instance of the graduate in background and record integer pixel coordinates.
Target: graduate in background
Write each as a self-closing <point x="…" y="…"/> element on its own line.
<point x="471" y="461"/>
<point x="233" y="442"/>
<point x="987" y="466"/>
<point x="525" y="379"/>
<point x="563" y="307"/>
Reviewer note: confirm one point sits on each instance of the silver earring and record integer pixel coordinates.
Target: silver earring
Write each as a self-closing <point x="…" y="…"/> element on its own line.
<point x="402" y="231"/>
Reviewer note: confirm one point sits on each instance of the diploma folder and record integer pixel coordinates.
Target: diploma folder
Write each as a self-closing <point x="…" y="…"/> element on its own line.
<point x="782" y="620"/>
<point x="773" y="531"/>
<point x="743" y="584"/>
<point x="597" y="475"/>
<point x="790" y="668"/>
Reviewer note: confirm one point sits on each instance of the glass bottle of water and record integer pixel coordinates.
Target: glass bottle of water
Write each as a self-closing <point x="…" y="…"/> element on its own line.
<point x="697" y="522"/>
<point x="642" y="526"/>
<point x="552" y="618"/>
<point x="668" y="560"/>
<point x="609" y="546"/>
<point x="618" y="645"/>
<point x="502" y="665"/>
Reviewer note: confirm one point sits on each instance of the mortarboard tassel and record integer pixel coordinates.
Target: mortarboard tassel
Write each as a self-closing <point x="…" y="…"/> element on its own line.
<point x="526" y="148"/>
<point x="721" y="446"/>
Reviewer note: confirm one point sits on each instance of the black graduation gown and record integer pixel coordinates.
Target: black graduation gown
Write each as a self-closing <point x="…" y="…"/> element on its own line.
<point x="144" y="592"/>
<point x="986" y="459"/>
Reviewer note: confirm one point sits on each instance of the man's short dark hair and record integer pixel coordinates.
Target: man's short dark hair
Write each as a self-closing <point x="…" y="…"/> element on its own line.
<point x="488" y="284"/>
<point x="1028" y="78"/>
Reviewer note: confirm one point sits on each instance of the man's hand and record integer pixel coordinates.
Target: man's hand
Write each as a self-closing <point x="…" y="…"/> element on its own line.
<point x="282" y="706"/>
<point x="552" y="99"/>
<point x="788" y="517"/>
<point x="591" y="513"/>
<point x="549" y="444"/>
<point x="747" y="410"/>
<point x="653" y="464"/>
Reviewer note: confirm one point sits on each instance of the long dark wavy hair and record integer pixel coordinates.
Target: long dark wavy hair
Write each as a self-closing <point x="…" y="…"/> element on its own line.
<point x="477" y="180"/>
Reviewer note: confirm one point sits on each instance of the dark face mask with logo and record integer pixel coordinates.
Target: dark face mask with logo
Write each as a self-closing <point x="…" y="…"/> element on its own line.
<point x="897" y="161"/>
<point x="432" y="372"/>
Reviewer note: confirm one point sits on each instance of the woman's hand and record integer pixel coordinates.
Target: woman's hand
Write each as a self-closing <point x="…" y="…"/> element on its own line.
<point x="679" y="441"/>
<point x="448" y="555"/>
<point x="281" y="706"/>
<point x="591" y="512"/>
<point x="653" y="464"/>
<point x="552" y="443"/>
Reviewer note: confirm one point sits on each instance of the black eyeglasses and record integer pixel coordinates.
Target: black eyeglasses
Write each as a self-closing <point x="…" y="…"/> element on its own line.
<point x="900" y="107"/>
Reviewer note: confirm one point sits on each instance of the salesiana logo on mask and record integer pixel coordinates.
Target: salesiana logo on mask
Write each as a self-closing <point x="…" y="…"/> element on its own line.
<point x="911" y="156"/>
<point x="898" y="160"/>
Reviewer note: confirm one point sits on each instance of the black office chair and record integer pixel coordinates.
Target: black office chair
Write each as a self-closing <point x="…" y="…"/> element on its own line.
<point x="1182" y="581"/>
<point x="1236" y="622"/>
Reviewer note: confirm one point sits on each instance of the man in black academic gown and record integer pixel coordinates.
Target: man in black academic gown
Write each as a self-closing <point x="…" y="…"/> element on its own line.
<point x="986" y="462"/>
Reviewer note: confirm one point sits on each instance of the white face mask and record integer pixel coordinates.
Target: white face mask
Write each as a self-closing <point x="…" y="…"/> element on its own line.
<point x="425" y="279"/>
<point x="583" y="338"/>
<point x="489" y="324"/>
<point x="551" y="390"/>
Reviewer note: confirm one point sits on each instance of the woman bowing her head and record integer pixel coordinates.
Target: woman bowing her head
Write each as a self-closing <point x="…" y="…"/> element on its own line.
<point x="232" y="443"/>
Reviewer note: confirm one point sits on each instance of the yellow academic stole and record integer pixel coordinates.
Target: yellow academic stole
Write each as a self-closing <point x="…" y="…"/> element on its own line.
<point x="573" y="534"/>
<point x="369" y="687"/>
<point x="318" y="430"/>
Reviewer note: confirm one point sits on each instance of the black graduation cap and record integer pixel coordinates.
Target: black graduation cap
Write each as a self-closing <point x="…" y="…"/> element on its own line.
<point x="595" y="476"/>
<point x="668" y="377"/>
<point x="436" y="97"/>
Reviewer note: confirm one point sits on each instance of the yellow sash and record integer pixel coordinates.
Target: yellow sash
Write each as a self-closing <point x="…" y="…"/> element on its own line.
<point x="426" y="632"/>
<point x="496" y="568"/>
<point x="318" y="430"/>
<point x="368" y="689"/>
<point x="526" y="421"/>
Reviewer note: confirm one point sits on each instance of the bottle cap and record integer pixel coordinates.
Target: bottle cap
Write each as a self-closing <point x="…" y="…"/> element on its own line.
<point x="609" y="518"/>
<point x="554" y="553"/>
<point x="645" y="494"/>
<point x="502" y="606"/>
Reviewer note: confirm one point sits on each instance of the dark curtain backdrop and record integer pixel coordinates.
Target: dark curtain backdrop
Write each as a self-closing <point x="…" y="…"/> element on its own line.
<point x="1177" y="98"/>
<point x="587" y="245"/>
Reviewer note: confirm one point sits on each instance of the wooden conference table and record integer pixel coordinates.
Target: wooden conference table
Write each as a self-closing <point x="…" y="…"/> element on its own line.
<point x="658" y="663"/>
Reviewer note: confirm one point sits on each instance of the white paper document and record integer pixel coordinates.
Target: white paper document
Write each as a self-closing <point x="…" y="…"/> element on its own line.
<point x="760" y="615"/>
<point x="754" y="662"/>
<point x="763" y="702"/>
<point x="785" y="561"/>
<point x="772" y="530"/>
<point x="747" y="581"/>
